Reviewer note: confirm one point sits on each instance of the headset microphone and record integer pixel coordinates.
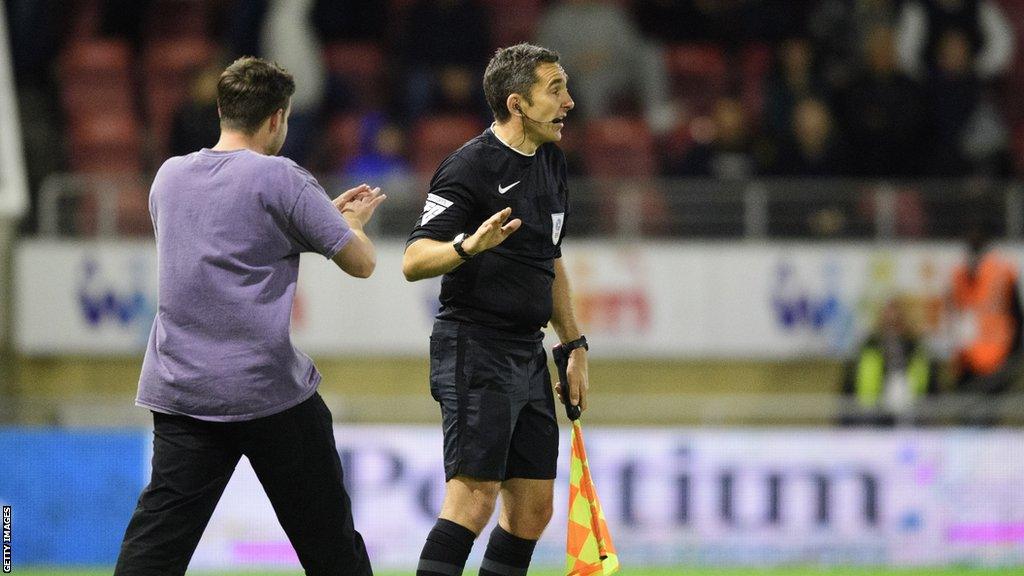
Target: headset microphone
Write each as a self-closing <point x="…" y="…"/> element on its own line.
<point x="520" y="110"/>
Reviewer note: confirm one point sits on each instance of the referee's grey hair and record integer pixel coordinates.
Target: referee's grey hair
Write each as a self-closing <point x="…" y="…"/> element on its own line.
<point x="512" y="70"/>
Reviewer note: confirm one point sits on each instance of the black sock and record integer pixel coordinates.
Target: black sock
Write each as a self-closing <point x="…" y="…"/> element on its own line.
<point x="506" y="555"/>
<point x="446" y="549"/>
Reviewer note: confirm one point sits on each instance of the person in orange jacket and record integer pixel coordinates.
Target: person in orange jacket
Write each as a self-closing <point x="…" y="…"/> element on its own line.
<point x="986" y="298"/>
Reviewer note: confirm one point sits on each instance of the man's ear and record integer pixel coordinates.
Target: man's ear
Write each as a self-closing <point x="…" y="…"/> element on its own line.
<point x="514" y="107"/>
<point x="276" y="119"/>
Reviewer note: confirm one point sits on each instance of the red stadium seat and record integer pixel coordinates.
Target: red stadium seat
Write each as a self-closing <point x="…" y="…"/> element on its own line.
<point x="698" y="74"/>
<point x="755" y="62"/>
<point x="96" y="60"/>
<point x="619" y="147"/>
<point x="85" y="19"/>
<point x="620" y="153"/>
<point x="361" y="65"/>
<point x="1018" y="147"/>
<point x="342" y="139"/>
<point x="354" y="59"/>
<point x="105" y="143"/>
<point x="1013" y="85"/>
<point x="513" y="21"/>
<point x="169" y="66"/>
<point x="95" y="78"/>
<point x="178" y="18"/>
<point x="82" y="98"/>
<point x="435" y="137"/>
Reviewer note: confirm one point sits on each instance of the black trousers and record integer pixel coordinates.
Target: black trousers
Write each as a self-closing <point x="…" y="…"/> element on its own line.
<point x="295" y="458"/>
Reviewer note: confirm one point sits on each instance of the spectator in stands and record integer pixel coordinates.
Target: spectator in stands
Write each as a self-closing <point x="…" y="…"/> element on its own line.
<point x="34" y="33"/>
<point x="380" y="158"/>
<point x="196" y="124"/>
<point x="725" y="146"/>
<point x="968" y="133"/>
<point x="445" y="45"/>
<point x="125" y="19"/>
<point x="34" y="27"/>
<point x="811" y="146"/>
<point x="288" y="38"/>
<point x="673" y="21"/>
<point x="923" y="25"/>
<point x="957" y="47"/>
<point x="892" y="371"/>
<point x="350" y="20"/>
<point x="839" y="28"/>
<point x="986" y="299"/>
<point x="881" y="113"/>
<point x="244" y="27"/>
<point x="613" y="67"/>
<point x="725" y="22"/>
<point x="792" y="79"/>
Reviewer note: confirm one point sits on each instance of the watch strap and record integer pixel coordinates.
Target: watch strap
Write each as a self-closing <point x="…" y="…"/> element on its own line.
<point x="457" y="244"/>
<point x="580" y="342"/>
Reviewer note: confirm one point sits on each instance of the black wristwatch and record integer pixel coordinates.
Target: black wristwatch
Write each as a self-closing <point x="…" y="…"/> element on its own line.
<point x="580" y="342"/>
<point x="457" y="244"/>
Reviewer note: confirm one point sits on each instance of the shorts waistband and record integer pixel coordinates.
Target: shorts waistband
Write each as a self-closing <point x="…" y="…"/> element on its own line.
<point x="452" y="327"/>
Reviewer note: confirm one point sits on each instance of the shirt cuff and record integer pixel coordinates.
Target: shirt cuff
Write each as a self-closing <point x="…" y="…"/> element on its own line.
<point x="345" y="238"/>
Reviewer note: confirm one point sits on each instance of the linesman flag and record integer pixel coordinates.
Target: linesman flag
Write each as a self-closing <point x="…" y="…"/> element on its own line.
<point x="588" y="544"/>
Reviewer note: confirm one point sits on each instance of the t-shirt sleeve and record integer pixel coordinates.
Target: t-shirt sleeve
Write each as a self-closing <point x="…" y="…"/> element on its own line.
<point x="450" y="202"/>
<point x="316" y="225"/>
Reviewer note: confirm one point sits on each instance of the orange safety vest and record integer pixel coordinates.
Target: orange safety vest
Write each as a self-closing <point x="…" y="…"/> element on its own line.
<point x="988" y="296"/>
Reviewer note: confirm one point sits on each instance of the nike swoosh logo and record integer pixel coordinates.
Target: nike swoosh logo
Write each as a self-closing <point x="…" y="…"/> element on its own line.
<point x="503" y="189"/>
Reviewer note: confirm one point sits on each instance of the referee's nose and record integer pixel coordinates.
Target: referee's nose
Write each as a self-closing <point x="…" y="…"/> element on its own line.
<point x="568" y="104"/>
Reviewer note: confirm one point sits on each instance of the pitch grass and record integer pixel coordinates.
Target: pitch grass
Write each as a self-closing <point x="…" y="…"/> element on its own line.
<point x="679" y="571"/>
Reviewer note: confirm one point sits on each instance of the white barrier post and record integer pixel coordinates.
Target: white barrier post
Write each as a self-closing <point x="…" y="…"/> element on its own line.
<point x="13" y="203"/>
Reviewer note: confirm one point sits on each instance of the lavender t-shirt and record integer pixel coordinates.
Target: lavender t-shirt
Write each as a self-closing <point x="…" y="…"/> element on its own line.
<point x="229" y="230"/>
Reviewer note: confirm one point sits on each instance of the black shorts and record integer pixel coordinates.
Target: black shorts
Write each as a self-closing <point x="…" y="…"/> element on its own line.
<point x="497" y="403"/>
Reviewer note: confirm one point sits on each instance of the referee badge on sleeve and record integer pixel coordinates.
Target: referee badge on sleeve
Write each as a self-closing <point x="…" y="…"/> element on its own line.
<point x="434" y="206"/>
<point x="556" y="226"/>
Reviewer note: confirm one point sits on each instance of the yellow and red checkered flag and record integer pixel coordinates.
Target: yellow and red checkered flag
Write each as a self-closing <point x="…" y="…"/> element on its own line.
<point x="588" y="545"/>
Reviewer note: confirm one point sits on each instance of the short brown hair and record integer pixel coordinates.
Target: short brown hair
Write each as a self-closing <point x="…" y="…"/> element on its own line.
<point x="512" y="70"/>
<point x="250" y="90"/>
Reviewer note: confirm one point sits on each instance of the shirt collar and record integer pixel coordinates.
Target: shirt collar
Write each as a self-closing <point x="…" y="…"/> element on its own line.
<point x="507" y="145"/>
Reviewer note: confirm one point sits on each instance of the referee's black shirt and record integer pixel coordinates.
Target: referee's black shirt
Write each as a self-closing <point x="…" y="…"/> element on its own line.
<point x="509" y="286"/>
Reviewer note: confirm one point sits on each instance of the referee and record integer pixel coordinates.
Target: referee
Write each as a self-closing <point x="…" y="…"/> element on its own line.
<point x="220" y="374"/>
<point x="493" y="225"/>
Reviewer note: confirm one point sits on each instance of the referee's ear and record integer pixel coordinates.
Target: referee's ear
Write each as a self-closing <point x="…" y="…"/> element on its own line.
<point x="512" y="102"/>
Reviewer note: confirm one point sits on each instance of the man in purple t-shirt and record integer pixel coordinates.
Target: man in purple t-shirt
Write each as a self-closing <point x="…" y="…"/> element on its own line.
<point x="220" y="374"/>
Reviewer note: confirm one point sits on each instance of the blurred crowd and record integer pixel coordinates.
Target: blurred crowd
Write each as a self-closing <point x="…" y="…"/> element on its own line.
<point x="896" y="372"/>
<point x="727" y="89"/>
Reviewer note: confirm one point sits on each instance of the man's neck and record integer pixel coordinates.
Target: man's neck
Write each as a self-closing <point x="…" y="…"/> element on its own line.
<point x="231" y="140"/>
<point x="511" y="133"/>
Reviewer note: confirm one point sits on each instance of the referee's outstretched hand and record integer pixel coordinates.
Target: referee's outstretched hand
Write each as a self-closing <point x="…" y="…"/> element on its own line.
<point x="492" y="232"/>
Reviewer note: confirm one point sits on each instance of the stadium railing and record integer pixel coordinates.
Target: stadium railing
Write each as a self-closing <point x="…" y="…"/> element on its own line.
<point x="764" y="208"/>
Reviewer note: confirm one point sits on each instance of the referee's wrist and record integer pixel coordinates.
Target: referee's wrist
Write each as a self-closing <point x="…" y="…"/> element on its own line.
<point x="573" y="345"/>
<point x="460" y="249"/>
